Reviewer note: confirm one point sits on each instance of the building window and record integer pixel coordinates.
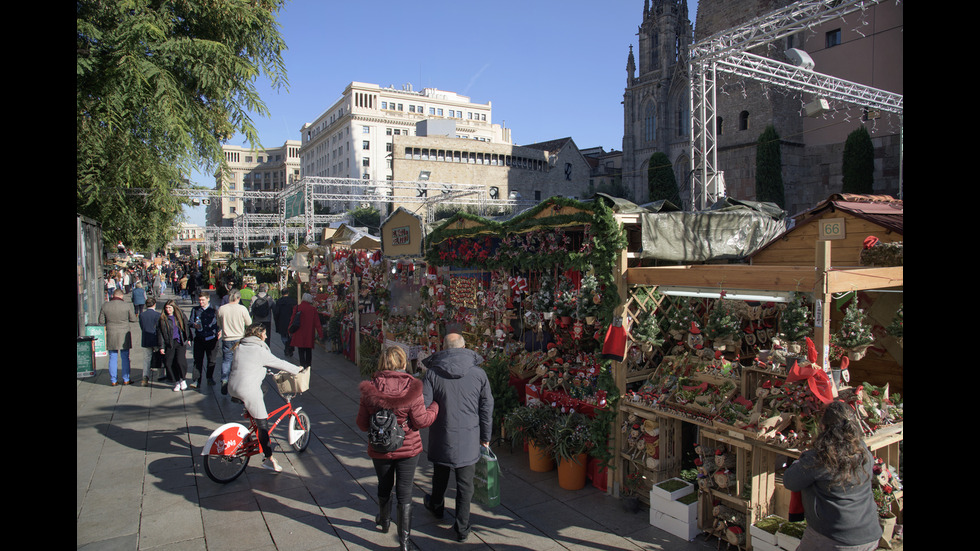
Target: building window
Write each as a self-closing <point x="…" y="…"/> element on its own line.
<point x="743" y="120"/>
<point x="365" y="145"/>
<point x="650" y="123"/>
<point x="364" y="130"/>
<point x="833" y="38"/>
<point x="366" y="161"/>
<point x="719" y="125"/>
<point x="432" y="110"/>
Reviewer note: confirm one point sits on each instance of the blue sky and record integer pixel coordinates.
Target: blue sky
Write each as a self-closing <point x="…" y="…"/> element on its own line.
<point x="552" y="69"/>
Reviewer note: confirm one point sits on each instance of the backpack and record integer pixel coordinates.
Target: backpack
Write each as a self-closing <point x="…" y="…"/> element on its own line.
<point x="260" y="307"/>
<point x="384" y="433"/>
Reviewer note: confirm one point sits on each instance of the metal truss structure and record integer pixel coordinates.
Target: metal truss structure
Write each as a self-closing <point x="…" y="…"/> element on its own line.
<point x="300" y="198"/>
<point x="727" y="52"/>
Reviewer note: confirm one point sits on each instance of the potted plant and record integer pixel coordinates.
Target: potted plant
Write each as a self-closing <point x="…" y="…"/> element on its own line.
<point x="854" y="334"/>
<point x="723" y="323"/>
<point x="646" y="331"/>
<point x="795" y="323"/>
<point x="533" y="425"/>
<point x="571" y="443"/>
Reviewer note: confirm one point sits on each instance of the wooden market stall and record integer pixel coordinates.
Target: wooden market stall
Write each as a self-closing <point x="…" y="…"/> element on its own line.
<point x="406" y="323"/>
<point x="697" y="399"/>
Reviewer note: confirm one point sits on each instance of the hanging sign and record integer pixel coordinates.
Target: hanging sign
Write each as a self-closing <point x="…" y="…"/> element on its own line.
<point x="831" y="228"/>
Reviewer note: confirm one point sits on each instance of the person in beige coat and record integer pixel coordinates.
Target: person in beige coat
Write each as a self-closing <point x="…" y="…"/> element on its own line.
<point x="117" y="316"/>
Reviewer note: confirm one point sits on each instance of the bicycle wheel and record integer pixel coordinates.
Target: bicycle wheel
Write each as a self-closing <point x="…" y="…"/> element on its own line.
<point x="225" y="468"/>
<point x="303" y="426"/>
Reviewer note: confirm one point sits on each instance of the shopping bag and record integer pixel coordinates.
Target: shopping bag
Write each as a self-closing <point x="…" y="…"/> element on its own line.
<point x="486" y="479"/>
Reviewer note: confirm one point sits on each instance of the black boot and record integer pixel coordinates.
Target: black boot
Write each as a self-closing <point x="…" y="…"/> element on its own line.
<point x="383" y="520"/>
<point x="404" y="525"/>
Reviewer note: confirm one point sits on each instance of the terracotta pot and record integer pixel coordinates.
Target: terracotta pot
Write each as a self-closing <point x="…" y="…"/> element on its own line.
<point x="540" y="461"/>
<point x="571" y="473"/>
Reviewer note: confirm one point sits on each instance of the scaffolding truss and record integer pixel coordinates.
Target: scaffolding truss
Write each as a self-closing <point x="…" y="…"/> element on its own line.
<point x="728" y="52"/>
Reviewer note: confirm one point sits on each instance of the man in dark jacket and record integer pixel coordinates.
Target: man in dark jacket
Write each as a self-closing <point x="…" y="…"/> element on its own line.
<point x="204" y="321"/>
<point x="282" y="311"/>
<point x="149" y="319"/>
<point x="455" y="380"/>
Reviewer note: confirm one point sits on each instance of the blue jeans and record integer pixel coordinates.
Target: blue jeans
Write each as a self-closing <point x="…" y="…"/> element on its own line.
<point x="227" y="355"/>
<point x="114" y="364"/>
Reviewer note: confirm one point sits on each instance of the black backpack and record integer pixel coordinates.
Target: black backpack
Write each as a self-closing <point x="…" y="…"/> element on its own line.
<point x="260" y="309"/>
<point x="384" y="433"/>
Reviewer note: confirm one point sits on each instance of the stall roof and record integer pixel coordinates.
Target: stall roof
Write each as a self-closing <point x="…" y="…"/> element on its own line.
<point x="883" y="210"/>
<point x="354" y="237"/>
<point x="729" y="230"/>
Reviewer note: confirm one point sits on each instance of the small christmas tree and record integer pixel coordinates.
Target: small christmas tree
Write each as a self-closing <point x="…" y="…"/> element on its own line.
<point x="795" y="323"/>
<point x="589" y="296"/>
<point x="854" y="334"/>
<point x="566" y="299"/>
<point x="646" y="329"/>
<point x="722" y="323"/>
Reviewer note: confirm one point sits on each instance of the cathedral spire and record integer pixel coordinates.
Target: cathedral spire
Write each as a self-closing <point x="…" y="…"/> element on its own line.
<point x="630" y="67"/>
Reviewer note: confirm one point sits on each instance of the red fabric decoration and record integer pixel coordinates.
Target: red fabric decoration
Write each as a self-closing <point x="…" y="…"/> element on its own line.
<point x="870" y="241"/>
<point x="795" y="507"/>
<point x="614" y="346"/>
<point x="817" y="380"/>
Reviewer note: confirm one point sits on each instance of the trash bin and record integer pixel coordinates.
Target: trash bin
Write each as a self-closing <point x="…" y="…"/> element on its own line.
<point x="85" y="356"/>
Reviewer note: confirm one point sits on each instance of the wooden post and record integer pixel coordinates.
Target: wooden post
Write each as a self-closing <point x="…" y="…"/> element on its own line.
<point x="619" y="375"/>
<point x="821" y="303"/>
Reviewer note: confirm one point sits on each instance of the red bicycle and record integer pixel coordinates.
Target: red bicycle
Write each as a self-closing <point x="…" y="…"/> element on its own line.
<point x="230" y="446"/>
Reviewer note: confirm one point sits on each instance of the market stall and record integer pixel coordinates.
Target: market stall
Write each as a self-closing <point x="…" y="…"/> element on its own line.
<point x="534" y="295"/>
<point x="729" y="368"/>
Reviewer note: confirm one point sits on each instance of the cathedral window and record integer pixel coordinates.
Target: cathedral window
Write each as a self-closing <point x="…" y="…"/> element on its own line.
<point x="743" y="120"/>
<point x="650" y="123"/>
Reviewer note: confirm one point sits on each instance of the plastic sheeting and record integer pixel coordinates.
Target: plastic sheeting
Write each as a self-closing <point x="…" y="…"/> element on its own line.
<point x="730" y="230"/>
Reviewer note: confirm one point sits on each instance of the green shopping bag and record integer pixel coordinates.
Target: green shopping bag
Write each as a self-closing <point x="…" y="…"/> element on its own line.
<point x="486" y="480"/>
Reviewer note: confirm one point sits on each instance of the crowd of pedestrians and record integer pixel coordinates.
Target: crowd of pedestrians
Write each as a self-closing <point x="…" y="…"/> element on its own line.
<point x="452" y="397"/>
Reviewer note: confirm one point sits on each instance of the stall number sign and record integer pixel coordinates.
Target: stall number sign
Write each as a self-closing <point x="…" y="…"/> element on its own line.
<point x="400" y="236"/>
<point x="832" y="228"/>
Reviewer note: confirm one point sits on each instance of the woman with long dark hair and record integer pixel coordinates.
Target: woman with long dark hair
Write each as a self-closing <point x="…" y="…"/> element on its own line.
<point x="834" y="478"/>
<point x="172" y="338"/>
<point x="393" y="388"/>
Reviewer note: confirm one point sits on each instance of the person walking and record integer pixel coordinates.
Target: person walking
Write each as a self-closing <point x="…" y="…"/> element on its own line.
<point x="116" y="316"/>
<point x="139" y="298"/>
<point x="455" y="381"/>
<point x="282" y="311"/>
<point x="248" y="370"/>
<point x="309" y="329"/>
<point x="248" y="293"/>
<point x="393" y="388"/>
<point x="204" y="323"/>
<point x="233" y="319"/>
<point x="149" y="319"/>
<point x="173" y="334"/>
<point x="834" y="478"/>
<point x="261" y="309"/>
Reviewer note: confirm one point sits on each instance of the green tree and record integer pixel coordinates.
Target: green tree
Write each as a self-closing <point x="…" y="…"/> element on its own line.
<point x="160" y="86"/>
<point x="661" y="181"/>
<point x="769" y="169"/>
<point x="859" y="162"/>
<point x="366" y="217"/>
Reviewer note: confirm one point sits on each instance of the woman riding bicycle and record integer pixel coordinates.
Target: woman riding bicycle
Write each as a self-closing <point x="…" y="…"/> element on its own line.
<point x="248" y="371"/>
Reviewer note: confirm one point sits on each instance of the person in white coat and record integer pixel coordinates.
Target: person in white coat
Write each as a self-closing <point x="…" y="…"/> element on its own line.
<point x="248" y="370"/>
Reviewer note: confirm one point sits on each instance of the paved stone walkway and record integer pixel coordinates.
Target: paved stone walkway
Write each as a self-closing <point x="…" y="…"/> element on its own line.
<point x="141" y="484"/>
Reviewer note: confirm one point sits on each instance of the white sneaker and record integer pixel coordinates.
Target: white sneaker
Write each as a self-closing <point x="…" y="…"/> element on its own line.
<point x="177" y="387"/>
<point x="183" y="384"/>
<point x="271" y="464"/>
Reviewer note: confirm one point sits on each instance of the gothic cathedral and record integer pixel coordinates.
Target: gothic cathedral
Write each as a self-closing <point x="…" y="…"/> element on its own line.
<point x="656" y="103"/>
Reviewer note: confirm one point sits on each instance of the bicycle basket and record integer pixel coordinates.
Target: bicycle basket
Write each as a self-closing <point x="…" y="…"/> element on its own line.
<point x="293" y="384"/>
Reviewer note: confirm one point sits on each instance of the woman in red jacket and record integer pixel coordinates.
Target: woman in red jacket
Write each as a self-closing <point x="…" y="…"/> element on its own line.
<point x="393" y="388"/>
<point x="309" y="327"/>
